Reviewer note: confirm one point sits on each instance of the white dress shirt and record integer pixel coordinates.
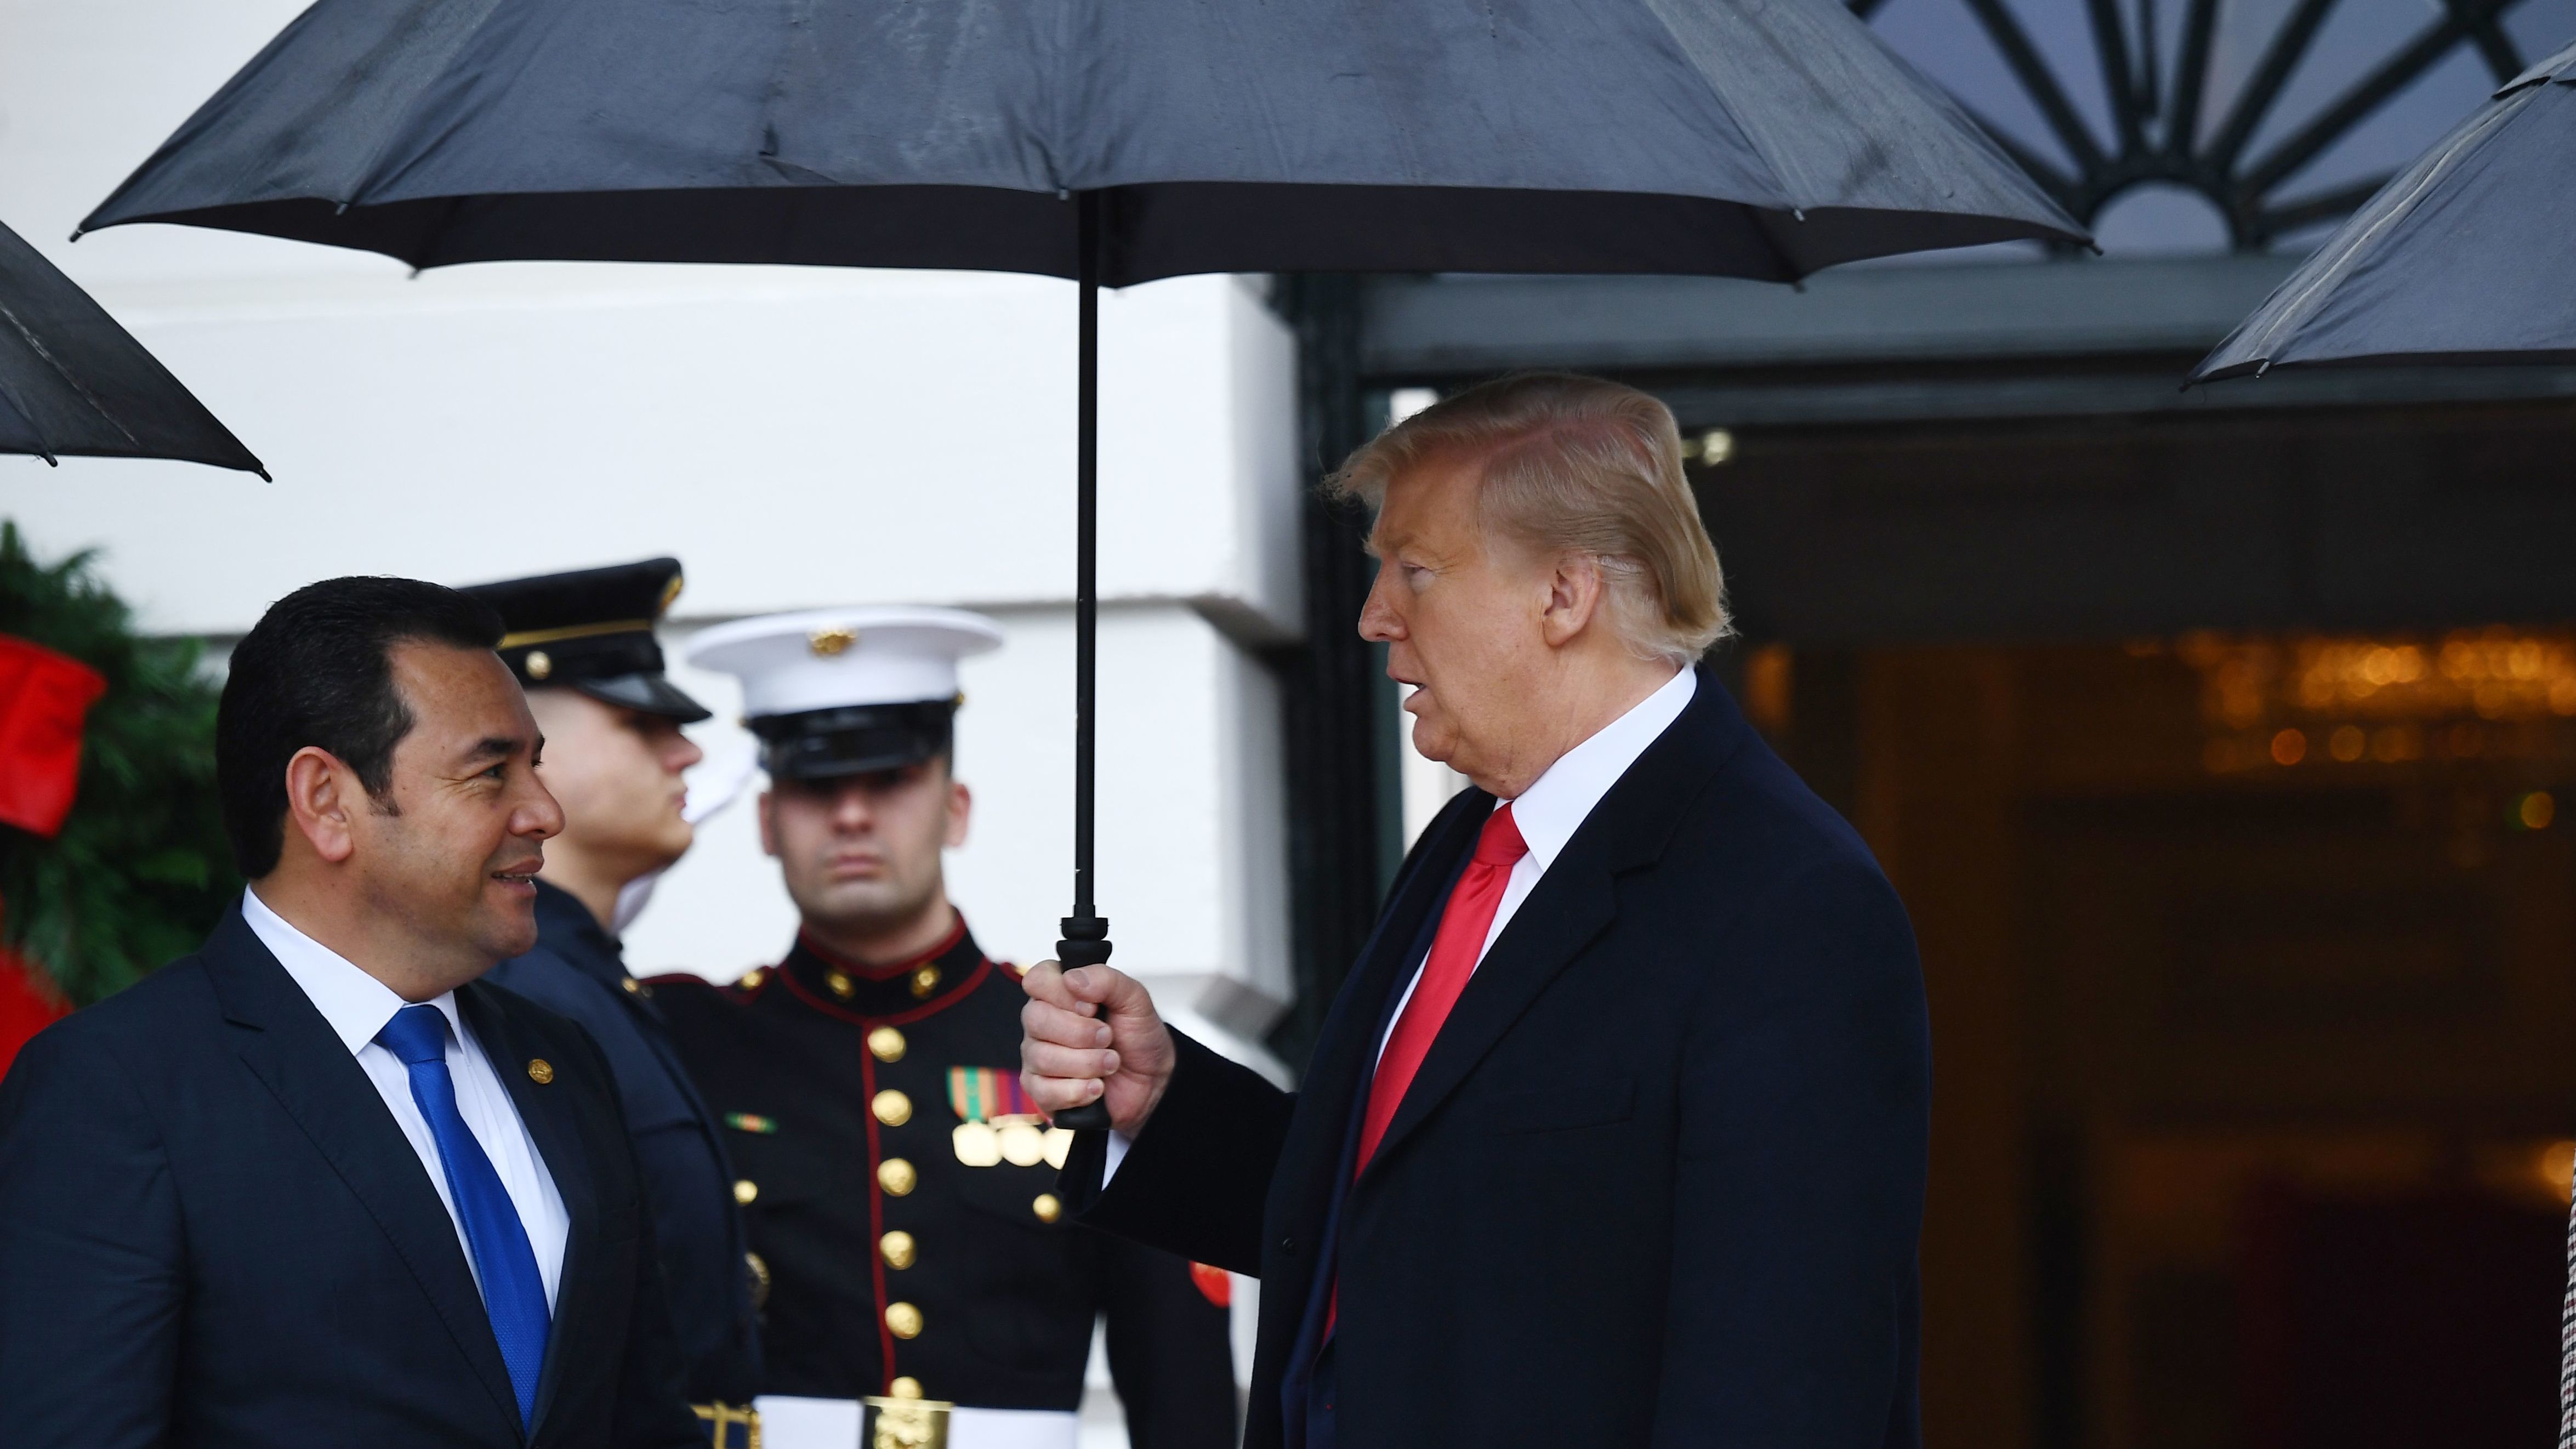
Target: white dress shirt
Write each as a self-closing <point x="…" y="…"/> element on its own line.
<point x="357" y="1006"/>
<point x="1558" y="802"/>
<point x="1548" y="813"/>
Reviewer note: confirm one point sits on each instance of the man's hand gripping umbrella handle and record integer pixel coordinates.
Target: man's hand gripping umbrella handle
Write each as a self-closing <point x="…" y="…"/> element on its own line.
<point x="1085" y="943"/>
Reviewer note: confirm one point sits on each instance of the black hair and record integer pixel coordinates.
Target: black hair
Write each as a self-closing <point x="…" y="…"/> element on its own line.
<point x="318" y="670"/>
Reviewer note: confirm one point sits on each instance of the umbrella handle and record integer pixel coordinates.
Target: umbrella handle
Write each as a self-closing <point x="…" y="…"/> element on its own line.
<point x="1085" y="943"/>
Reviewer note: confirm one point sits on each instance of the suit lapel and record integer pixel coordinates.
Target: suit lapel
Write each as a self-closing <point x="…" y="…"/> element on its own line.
<point x="546" y="1110"/>
<point x="1346" y="1049"/>
<point x="1574" y="901"/>
<point x="294" y="1052"/>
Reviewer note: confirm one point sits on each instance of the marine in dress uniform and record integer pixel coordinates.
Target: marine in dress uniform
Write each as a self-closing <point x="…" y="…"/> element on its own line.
<point x="590" y="633"/>
<point x="899" y="1186"/>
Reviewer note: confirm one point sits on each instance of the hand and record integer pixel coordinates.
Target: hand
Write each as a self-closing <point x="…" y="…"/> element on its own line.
<point x="1088" y="1032"/>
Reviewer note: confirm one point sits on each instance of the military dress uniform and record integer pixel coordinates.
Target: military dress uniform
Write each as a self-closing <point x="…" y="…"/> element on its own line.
<point x="901" y="1193"/>
<point x="898" y="1184"/>
<point x="592" y="631"/>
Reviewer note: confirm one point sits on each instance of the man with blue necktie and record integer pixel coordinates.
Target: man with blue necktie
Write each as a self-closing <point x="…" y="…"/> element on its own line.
<point x="316" y="1184"/>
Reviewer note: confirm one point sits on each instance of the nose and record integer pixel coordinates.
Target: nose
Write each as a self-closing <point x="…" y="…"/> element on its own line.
<point x="1379" y="623"/>
<point x="541" y="815"/>
<point x="850" y="810"/>
<point x="684" y="752"/>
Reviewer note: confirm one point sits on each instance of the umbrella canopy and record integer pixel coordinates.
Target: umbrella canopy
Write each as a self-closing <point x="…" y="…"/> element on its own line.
<point x="2463" y="258"/>
<point x="1113" y="144"/>
<point x="1757" y="138"/>
<point x="73" y="382"/>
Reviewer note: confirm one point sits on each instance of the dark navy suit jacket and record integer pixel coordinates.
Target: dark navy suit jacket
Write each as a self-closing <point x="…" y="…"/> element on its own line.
<point x="1660" y="1178"/>
<point x="576" y="970"/>
<point x="212" y="1233"/>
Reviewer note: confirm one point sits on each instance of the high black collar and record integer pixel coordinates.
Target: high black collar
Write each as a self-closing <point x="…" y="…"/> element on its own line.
<point x="932" y="981"/>
<point x="566" y="927"/>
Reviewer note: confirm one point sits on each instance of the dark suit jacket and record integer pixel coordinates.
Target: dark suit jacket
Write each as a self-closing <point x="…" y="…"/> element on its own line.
<point x="576" y="970"/>
<point x="1660" y="1177"/>
<point x="212" y="1233"/>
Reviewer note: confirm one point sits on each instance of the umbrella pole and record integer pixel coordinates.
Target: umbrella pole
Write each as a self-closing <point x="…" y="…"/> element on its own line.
<point x="1086" y="932"/>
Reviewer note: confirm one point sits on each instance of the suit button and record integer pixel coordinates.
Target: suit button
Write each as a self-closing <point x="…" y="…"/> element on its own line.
<point x="744" y="1190"/>
<point x="839" y="984"/>
<point x="886" y="1044"/>
<point x="1048" y="1207"/>
<point x="906" y="1387"/>
<point x="896" y="1176"/>
<point x="898" y="1249"/>
<point x="903" y="1320"/>
<point x="925" y="981"/>
<point x="893" y="1108"/>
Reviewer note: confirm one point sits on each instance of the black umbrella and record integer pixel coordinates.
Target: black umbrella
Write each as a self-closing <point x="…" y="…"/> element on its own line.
<point x="73" y="382"/>
<point x="2465" y="257"/>
<point x="1112" y="144"/>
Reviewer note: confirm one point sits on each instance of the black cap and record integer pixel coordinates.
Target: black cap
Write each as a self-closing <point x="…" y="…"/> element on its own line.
<point x="859" y="739"/>
<point x="592" y="630"/>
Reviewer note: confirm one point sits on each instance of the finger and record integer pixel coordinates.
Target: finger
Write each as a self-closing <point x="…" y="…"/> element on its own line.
<point x="1042" y="1022"/>
<point x="1065" y="1063"/>
<point x="1046" y="982"/>
<point x="1053" y="1096"/>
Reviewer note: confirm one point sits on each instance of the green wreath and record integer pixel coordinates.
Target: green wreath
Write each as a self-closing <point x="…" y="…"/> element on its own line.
<point x="140" y="870"/>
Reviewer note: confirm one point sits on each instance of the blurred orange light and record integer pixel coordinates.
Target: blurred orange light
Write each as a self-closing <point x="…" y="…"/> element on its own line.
<point x="2289" y="747"/>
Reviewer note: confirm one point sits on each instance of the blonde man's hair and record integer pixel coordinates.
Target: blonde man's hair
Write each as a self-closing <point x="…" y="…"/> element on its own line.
<point x="1575" y="465"/>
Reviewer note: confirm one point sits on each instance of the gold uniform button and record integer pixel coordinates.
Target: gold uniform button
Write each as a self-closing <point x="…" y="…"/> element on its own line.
<point x="925" y="981"/>
<point x="906" y="1387"/>
<point x="886" y="1044"/>
<point x="898" y="1248"/>
<point x="744" y="1190"/>
<point x="896" y="1176"/>
<point x="839" y="984"/>
<point x="893" y="1108"/>
<point x="1048" y="1207"/>
<point x="540" y="1071"/>
<point x="630" y="984"/>
<point x="903" y="1320"/>
<point x="540" y="664"/>
<point x="752" y="978"/>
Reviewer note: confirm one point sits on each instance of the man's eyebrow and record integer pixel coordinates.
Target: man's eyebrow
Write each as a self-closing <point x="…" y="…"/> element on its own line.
<point x="495" y="747"/>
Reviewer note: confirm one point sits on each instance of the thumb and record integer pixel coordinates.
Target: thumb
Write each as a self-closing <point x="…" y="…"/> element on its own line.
<point x="1117" y="993"/>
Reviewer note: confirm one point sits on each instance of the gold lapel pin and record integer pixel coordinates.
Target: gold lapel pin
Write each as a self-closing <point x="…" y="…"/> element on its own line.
<point x="540" y="1071"/>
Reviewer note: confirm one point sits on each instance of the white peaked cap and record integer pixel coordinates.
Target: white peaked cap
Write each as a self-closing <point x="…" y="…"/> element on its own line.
<point x="838" y="658"/>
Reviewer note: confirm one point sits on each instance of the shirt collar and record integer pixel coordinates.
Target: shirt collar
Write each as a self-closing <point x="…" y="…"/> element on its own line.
<point x="356" y="1005"/>
<point x="1561" y="798"/>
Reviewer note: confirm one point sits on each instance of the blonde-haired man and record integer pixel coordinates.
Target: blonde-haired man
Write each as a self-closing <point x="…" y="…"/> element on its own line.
<point x="1616" y="1132"/>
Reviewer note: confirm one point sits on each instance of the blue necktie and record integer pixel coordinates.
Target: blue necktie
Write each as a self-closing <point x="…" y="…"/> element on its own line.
<point x="513" y="1295"/>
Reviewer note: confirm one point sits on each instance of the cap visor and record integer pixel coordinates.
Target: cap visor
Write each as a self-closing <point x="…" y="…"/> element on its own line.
<point x="649" y="693"/>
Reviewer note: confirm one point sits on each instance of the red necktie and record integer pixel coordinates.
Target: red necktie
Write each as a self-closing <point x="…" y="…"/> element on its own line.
<point x="1464" y="923"/>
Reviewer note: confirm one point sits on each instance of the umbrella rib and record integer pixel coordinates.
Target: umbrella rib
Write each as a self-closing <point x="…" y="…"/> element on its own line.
<point x="2324" y="206"/>
<point x="2295" y="310"/>
<point x="37" y="346"/>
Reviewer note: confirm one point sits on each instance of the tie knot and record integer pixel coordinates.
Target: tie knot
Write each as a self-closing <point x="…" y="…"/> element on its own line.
<point x="1500" y="843"/>
<point x="417" y="1035"/>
